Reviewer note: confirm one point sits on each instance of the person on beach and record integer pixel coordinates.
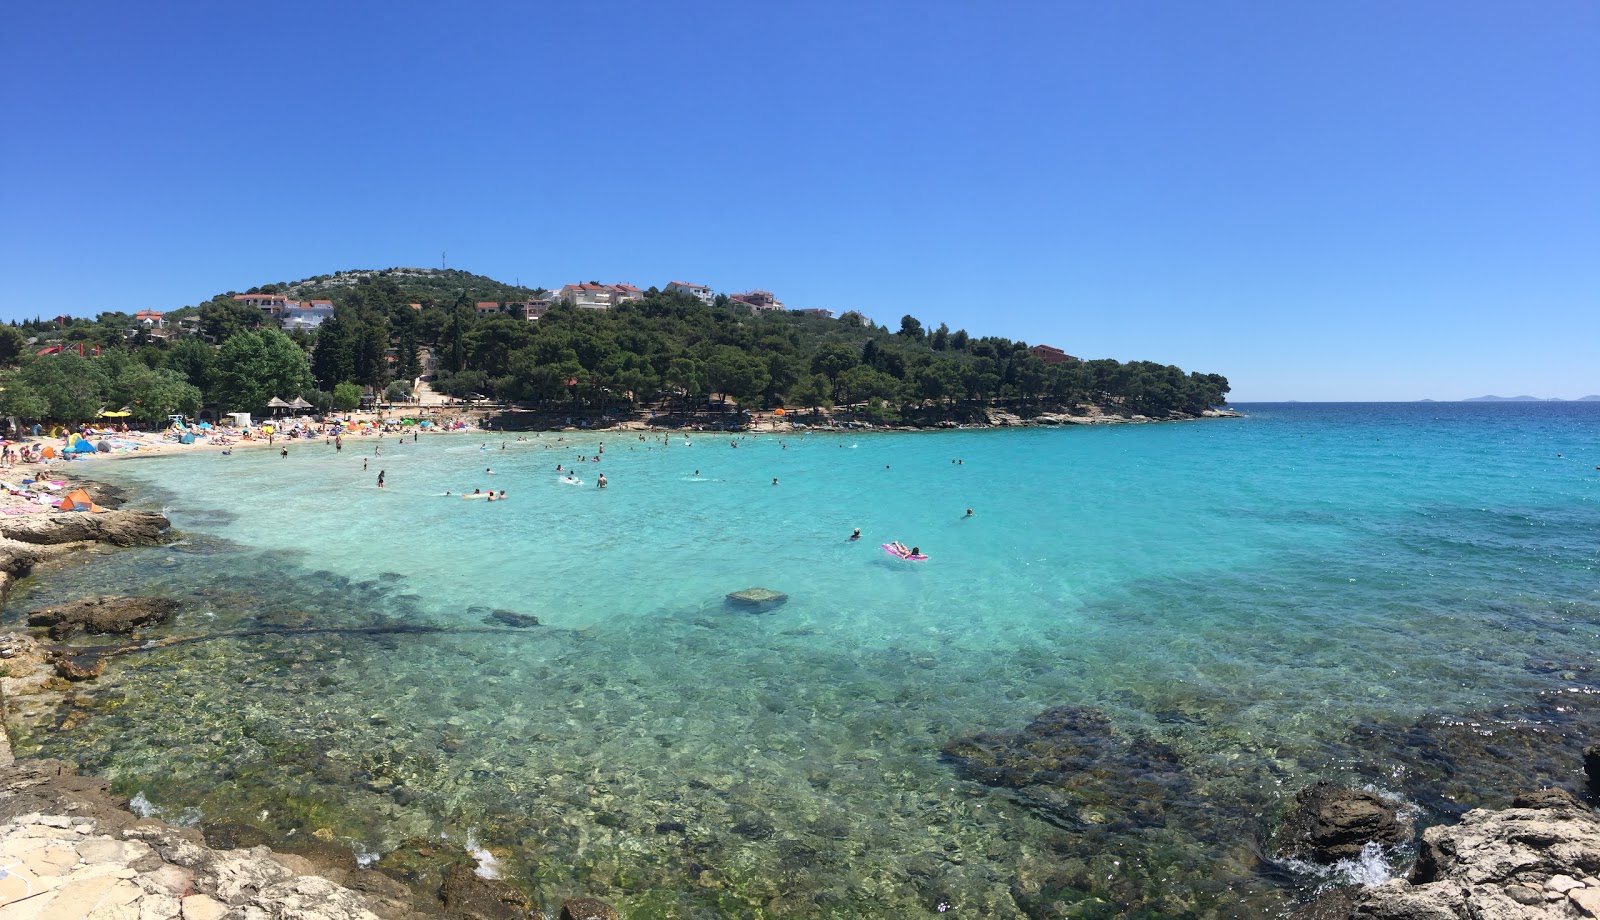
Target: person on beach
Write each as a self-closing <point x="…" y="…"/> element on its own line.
<point x="380" y="479"/>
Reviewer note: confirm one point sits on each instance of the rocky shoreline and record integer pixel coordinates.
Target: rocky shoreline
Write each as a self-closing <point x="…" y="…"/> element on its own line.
<point x="70" y="848"/>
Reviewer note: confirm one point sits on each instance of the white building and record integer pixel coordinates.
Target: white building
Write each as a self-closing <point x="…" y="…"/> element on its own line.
<point x="698" y="291"/>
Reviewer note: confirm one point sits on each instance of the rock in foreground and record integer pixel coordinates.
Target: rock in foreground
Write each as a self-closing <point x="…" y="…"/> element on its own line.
<point x="1328" y="823"/>
<point x="119" y="528"/>
<point x="1537" y="859"/>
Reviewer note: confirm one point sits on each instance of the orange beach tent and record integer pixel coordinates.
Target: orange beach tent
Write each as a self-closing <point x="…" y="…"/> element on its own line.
<point x="78" y="500"/>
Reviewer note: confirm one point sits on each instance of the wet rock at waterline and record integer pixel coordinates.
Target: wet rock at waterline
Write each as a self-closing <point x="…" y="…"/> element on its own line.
<point x="80" y="667"/>
<point x="1536" y="859"/>
<point x="1328" y="823"/>
<point x="472" y="897"/>
<point x="1591" y="766"/>
<point x="104" y="615"/>
<point x="587" y="909"/>
<point x="1074" y="769"/>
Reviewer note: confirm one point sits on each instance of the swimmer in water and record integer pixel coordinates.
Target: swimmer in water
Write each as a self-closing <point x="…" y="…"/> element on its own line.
<point x="774" y="480"/>
<point x="855" y="534"/>
<point x="969" y="512"/>
<point x="916" y="551"/>
<point x="602" y="481"/>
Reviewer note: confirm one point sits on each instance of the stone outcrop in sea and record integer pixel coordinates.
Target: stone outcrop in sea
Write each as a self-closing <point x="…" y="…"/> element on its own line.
<point x="1328" y="823"/>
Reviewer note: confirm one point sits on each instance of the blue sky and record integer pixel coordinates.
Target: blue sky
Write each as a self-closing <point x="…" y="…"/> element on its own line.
<point x="1352" y="200"/>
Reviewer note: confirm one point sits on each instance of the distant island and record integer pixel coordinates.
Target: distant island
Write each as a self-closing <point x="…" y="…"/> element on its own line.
<point x="1527" y="399"/>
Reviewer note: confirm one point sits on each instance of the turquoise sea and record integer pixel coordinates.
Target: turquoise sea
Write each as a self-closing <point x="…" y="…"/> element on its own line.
<point x="1405" y="596"/>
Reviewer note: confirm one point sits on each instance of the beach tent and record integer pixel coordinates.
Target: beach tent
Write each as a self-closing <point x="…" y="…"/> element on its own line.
<point x="81" y="446"/>
<point x="78" y="500"/>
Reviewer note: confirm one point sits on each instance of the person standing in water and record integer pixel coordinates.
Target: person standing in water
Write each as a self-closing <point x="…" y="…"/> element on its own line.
<point x="380" y="479"/>
<point x="601" y="484"/>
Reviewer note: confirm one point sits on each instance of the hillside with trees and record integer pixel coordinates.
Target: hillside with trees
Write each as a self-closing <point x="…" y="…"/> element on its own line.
<point x="667" y="352"/>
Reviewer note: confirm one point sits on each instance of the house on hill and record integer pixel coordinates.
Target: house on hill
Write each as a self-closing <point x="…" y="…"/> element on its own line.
<point x="1050" y="354"/>
<point x="698" y="291"/>
<point x="271" y="303"/>
<point x="759" y="301"/>
<point x="305" y="316"/>
<point x="591" y="296"/>
<point x="151" y="318"/>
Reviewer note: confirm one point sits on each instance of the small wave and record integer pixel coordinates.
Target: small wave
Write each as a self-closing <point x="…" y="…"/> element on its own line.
<point x="364" y="856"/>
<point x="1373" y="867"/>
<point x="488" y="866"/>
<point x="142" y="806"/>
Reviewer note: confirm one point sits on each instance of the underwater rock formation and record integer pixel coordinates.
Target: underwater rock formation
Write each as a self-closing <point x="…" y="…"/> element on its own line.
<point x="117" y="616"/>
<point x="1328" y="823"/>
<point x="511" y="618"/>
<point x="1073" y="769"/>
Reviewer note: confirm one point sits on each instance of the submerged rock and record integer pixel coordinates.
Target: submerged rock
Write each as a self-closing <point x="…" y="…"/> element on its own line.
<point x="1073" y="769"/>
<point x="757" y="598"/>
<point x="80" y="667"/>
<point x="105" y="615"/>
<point x="1537" y="859"/>
<point x="1328" y="823"/>
<point x="511" y="618"/>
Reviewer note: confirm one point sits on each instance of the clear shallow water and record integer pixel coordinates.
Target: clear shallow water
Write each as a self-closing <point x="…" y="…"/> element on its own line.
<point x="1245" y="594"/>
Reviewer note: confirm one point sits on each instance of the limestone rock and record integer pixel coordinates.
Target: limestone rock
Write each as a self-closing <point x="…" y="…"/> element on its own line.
<point x="1521" y="863"/>
<point x="119" y="528"/>
<point x="105" y="615"/>
<point x="1328" y="823"/>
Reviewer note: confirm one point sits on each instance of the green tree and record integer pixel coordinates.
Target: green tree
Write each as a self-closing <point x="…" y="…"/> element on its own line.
<point x="222" y="317"/>
<point x="346" y="396"/>
<point x="12" y="344"/>
<point x="910" y="328"/>
<point x="19" y="400"/>
<point x="193" y="359"/>
<point x="73" y="387"/>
